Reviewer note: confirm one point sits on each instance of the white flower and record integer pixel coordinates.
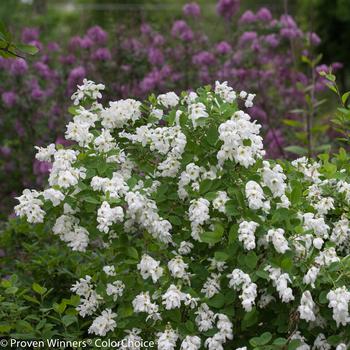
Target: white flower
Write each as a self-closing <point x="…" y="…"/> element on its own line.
<point x="167" y="340"/>
<point x="185" y="248"/>
<point x="225" y="92"/>
<point x="321" y="343"/>
<point x="274" y="179"/>
<point x="55" y="196"/>
<point x="149" y="267"/>
<point x="157" y="113"/>
<point x="311" y="276"/>
<point x="278" y="240"/>
<point x="172" y="298"/>
<point x="280" y="281"/>
<point x="169" y="99"/>
<point x="198" y="214"/>
<point x="142" y="303"/>
<point x="107" y="216"/>
<point x="120" y="113"/>
<point x="255" y="195"/>
<point x="191" y="343"/>
<point x="205" y="318"/>
<point x="242" y="141"/>
<point x="88" y="90"/>
<point x="241" y="281"/>
<point x="326" y="257"/>
<point x="45" y="154"/>
<point x="105" y="142"/>
<point x="211" y="286"/>
<point x="220" y="201"/>
<point x="318" y="243"/>
<point x="318" y="225"/>
<point x="30" y="206"/>
<point x="341" y="232"/>
<point x="79" y="132"/>
<point x="115" y="289"/>
<point x="339" y="301"/>
<point x="324" y="205"/>
<point x="104" y="323"/>
<point x="197" y="111"/>
<point x="177" y="267"/>
<point x="307" y="307"/>
<point x="109" y="270"/>
<point x="246" y="233"/>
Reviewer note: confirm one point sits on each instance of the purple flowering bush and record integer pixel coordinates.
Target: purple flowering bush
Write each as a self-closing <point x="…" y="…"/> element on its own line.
<point x="258" y="52"/>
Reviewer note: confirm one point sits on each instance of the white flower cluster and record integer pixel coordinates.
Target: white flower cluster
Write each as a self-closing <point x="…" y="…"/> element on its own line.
<point x="120" y="113"/>
<point x="246" y="234"/>
<point x="115" y="289"/>
<point x="220" y="201"/>
<point x="88" y="90"/>
<point x="68" y="229"/>
<point x="225" y="92"/>
<point x="107" y="216"/>
<point x="198" y="214"/>
<point x="242" y="142"/>
<point x="104" y="323"/>
<point x="170" y="99"/>
<point x="149" y="267"/>
<point x="169" y="141"/>
<point x="143" y="303"/>
<point x="196" y="112"/>
<point x="255" y="195"/>
<point x="143" y="211"/>
<point x="241" y="281"/>
<point x="89" y="299"/>
<point x="276" y="236"/>
<point x="192" y="176"/>
<point x="339" y="301"/>
<point x="274" y="179"/>
<point x="151" y="183"/>
<point x="280" y="281"/>
<point x="116" y="186"/>
<point x="211" y="286"/>
<point x="307" y="307"/>
<point x="30" y="206"/>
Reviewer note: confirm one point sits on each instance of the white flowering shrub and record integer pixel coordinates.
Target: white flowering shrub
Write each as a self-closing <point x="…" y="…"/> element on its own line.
<point x="198" y="242"/>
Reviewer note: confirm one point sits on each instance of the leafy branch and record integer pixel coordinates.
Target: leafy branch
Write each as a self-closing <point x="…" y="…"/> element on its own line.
<point x="9" y="49"/>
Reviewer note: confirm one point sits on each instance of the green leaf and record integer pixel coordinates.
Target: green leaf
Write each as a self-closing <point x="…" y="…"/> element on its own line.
<point x="221" y="256"/>
<point x="27" y="49"/>
<point x="233" y="234"/>
<point x="345" y="97"/>
<point x="39" y="289"/>
<point x="11" y="290"/>
<point x="69" y="319"/>
<point x="212" y="237"/>
<point x="265" y="338"/>
<point x="212" y="136"/>
<point x="294" y="344"/>
<point x="251" y="260"/>
<point x="280" y="341"/>
<point x="59" y="308"/>
<point x="205" y="186"/>
<point x="132" y="252"/>
<point x="125" y="311"/>
<point x="296" y="149"/>
<point x="31" y="299"/>
<point x="250" y="319"/>
<point x="217" y="301"/>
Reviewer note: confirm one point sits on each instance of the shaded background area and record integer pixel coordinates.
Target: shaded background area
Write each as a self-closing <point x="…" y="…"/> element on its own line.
<point x="35" y="94"/>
